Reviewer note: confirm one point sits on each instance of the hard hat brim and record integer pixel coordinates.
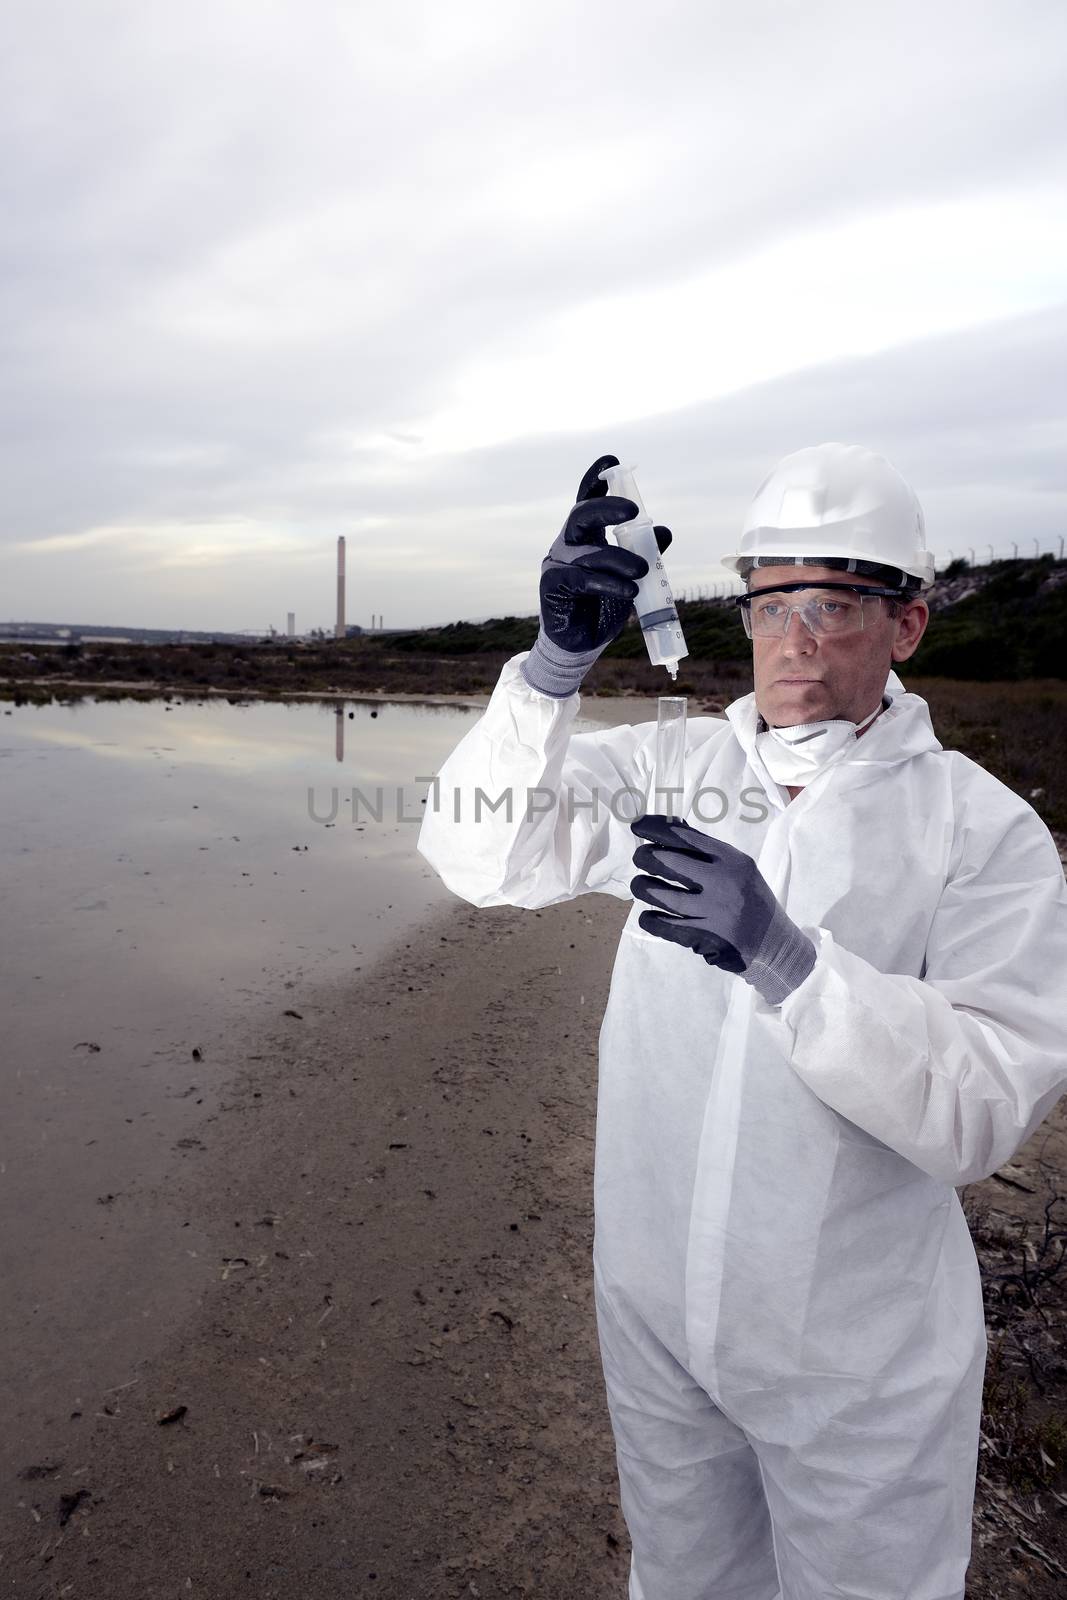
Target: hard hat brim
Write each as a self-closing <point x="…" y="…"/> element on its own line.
<point x="800" y="545"/>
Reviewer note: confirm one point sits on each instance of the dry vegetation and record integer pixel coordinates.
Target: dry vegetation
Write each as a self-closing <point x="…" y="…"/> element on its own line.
<point x="1020" y="1522"/>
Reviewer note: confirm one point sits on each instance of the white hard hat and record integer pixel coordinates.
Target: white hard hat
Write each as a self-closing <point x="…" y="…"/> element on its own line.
<point x="839" y="501"/>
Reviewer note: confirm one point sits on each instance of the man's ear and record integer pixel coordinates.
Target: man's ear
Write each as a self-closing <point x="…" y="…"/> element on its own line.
<point x="910" y="626"/>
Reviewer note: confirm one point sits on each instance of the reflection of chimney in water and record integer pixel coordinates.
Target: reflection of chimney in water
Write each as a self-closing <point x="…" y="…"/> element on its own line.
<point x="339" y="629"/>
<point x="339" y="736"/>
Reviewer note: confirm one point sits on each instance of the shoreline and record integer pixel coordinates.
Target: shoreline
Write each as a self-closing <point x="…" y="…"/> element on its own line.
<point x="138" y="689"/>
<point x="608" y="710"/>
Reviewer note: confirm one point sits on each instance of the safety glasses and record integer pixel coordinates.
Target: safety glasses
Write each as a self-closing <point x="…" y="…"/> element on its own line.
<point x="832" y="608"/>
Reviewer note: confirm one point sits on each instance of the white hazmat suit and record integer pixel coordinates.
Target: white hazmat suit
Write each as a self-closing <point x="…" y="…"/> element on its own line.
<point x="788" y="1299"/>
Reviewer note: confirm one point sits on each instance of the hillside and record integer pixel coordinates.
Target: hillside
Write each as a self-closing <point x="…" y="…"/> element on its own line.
<point x="1003" y="622"/>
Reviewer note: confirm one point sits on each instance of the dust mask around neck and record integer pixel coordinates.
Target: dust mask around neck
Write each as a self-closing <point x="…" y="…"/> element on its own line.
<point x="794" y="755"/>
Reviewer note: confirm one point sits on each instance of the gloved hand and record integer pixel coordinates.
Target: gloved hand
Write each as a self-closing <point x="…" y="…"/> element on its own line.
<point x="724" y="910"/>
<point x="587" y="588"/>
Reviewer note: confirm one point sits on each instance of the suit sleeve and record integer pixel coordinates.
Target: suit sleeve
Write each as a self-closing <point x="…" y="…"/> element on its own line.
<point x="525" y="812"/>
<point x="954" y="1070"/>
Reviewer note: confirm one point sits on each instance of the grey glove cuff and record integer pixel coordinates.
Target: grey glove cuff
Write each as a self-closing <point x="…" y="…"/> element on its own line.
<point x="553" y="671"/>
<point x="782" y="961"/>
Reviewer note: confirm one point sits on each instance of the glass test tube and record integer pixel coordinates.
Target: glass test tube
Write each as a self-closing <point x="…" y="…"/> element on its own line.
<point x="670" y="756"/>
<point x="668" y="776"/>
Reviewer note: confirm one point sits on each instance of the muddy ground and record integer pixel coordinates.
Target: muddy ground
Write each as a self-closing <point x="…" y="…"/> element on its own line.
<point x="386" y="1382"/>
<point x="390" y="1382"/>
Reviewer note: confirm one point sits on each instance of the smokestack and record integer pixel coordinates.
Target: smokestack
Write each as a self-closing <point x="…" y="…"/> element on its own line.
<point x="339" y="629"/>
<point x="290" y="626"/>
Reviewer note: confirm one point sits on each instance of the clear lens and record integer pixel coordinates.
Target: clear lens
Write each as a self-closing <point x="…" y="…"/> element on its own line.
<point x="831" y="612"/>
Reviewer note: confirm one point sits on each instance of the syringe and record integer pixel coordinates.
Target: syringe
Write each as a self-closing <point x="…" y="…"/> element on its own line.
<point x="656" y="611"/>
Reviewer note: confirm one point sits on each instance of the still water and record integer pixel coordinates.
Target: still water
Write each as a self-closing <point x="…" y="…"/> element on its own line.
<point x="163" y="881"/>
<point x="165" y="869"/>
<point x="188" y="845"/>
<point x="174" y="876"/>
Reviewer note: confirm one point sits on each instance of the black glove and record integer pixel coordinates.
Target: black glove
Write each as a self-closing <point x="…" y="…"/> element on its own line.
<point x="712" y="898"/>
<point x="587" y="587"/>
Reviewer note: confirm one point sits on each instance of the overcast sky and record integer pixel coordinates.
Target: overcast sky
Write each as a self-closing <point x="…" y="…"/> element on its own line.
<point x="272" y="272"/>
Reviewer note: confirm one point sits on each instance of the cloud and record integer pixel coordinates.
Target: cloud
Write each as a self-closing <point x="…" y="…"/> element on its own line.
<point x="282" y="269"/>
<point x="62" y="543"/>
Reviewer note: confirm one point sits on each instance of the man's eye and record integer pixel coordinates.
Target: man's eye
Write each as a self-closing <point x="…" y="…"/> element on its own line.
<point x="831" y="607"/>
<point x="769" y="608"/>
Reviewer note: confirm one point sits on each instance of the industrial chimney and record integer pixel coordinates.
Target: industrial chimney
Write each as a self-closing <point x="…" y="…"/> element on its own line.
<point x="339" y="628"/>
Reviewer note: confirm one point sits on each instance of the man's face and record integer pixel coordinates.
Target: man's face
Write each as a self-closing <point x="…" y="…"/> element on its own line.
<point x="807" y="677"/>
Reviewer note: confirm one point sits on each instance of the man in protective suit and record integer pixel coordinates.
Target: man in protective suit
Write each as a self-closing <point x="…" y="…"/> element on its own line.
<point x="838" y="997"/>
